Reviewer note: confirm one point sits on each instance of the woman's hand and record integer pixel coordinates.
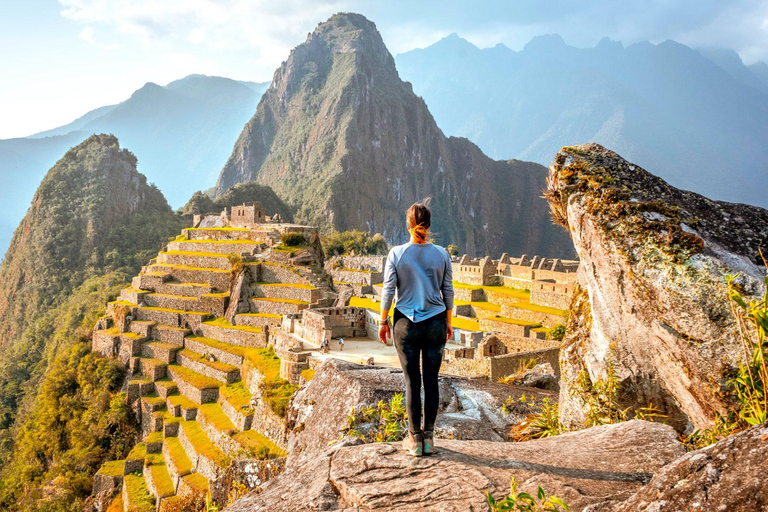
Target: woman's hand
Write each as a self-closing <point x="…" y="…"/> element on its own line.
<point x="384" y="333"/>
<point x="449" y="318"/>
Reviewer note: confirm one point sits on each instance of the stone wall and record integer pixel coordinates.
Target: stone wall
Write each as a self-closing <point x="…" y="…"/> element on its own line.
<point x="268" y="272"/>
<point x="554" y="295"/>
<point x="507" y="364"/>
<point x="475" y="272"/>
<point x="373" y="262"/>
<point x="496" y="325"/>
<point x="468" y="294"/>
<point x="461" y="367"/>
<point x="326" y="323"/>
<point x="345" y="275"/>
<point x="527" y="315"/>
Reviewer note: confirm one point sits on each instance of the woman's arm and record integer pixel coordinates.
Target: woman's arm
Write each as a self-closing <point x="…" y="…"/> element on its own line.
<point x="447" y="289"/>
<point x="387" y="296"/>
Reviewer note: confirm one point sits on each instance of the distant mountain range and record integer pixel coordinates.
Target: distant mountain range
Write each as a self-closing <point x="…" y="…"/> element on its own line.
<point x="348" y="145"/>
<point x="698" y="118"/>
<point x="181" y="134"/>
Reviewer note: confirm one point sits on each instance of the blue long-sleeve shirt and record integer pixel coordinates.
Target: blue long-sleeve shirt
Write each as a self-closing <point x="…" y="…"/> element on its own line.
<point x="423" y="278"/>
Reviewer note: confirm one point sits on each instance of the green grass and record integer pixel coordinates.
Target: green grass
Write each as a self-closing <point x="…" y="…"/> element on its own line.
<point x="275" y="390"/>
<point x="490" y="306"/>
<point x="139" y="451"/>
<point x="261" y="315"/>
<point x="196" y="253"/>
<point x="218" y="345"/>
<point x="112" y="468"/>
<point x="133" y="336"/>
<point x="178" y="457"/>
<point x="179" y="400"/>
<point x="154" y="437"/>
<point x="465" y="323"/>
<point x="203" y="445"/>
<point x="216" y="365"/>
<point x="216" y="417"/>
<point x="308" y="374"/>
<point x="255" y="443"/>
<point x="193" y="378"/>
<point x="153" y="399"/>
<point x="364" y="302"/>
<point x="238" y="396"/>
<point x="139" y="498"/>
<point x="290" y="248"/>
<point x="196" y="481"/>
<point x="122" y="302"/>
<point x="512" y="292"/>
<point x="223" y="323"/>
<point x="160" y="477"/>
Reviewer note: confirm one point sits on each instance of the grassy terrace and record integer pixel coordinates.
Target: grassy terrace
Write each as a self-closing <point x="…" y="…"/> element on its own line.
<point x="122" y="302"/>
<point x="153" y="399"/>
<point x="276" y="264"/>
<point x="238" y="396"/>
<point x="132" y="336"/>
<point x="258" y="445"/>
<point x="193" y="378"/>
<point x="168" y="295"/>
<point x="216" y="365"/>
<point x="160" y="477"/>
<point x="515" y="321"/>
<point x="245" y="241"/>
<point x="154" y="437"/>
<point x="479" y="304"/>
<point x="179" y="311"/>
<point x="223" y="323"/>
<point x="112" y="468"/>
<point x="289" y="285"/>
<point x="196" y="481"/>
<point x="261" y="315"/>
<point x="198" y="269"/>
<point x="364" y="302"/>
<point x="139" y="451"/>
<point x="180" y="400"/>
<point x="178" y="456"/>
<point x="276" y="390"/>
<point x="216" y="417"/>
<point x="218" y="345"/>
<point x="196" y="253"/>
<point x="139" y="498"/>
<point x="308" y="374"/>
<point x="285" y="301"/>
<point x="465" y="323"/>
<point x="541" y="309"/>
<point x="203" y="445"/>
<point x="290" y="248"/>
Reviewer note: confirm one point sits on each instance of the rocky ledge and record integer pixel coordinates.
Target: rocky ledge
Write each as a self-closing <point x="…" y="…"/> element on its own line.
<point x="583" y="468"/>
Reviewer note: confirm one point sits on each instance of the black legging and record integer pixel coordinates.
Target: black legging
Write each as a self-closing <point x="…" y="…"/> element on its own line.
<point x="423" y="340"/>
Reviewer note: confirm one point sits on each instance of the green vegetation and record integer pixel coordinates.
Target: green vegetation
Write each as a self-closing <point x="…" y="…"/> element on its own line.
<point x="178" y="457"/>
<point x="544" y="423"/>
<point x="388" y="421"/>
<point x="749" y="386"/>
<point x="275" y="390"/>
<point x="452" y="249"/>
<point x="237" y="195"/>
<point x="112" y="468"/>
<point x="193" y="378"/>
<point x="238" y="396"/>
<point x="139" y="499"/>
<point x="292" y="239"/>
<point x="160" y="477"/>
<point x="353" y="242"/>
<point x="224" y="324"/>
<point x="556" y="333"/>
<point x="215" y="415"/>
<point x="216" y="365"/>
<point x="524" y="502"/>
<point x="203" y="445"/>
<point x="257" y="445"/>
<point x="80" y="419"/>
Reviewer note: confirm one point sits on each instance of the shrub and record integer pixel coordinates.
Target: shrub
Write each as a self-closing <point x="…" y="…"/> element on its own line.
<point x="556" y="333"/>
<point x="524" y="502"/>
<point x="545" y="423"/>
<point x="293" y="239"/>
<point x="452" y="249"/>
<point x="385" y="422"/>
<point x="354" y="242"/>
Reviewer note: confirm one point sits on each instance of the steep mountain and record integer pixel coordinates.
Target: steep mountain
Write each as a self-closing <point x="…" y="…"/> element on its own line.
<point x="665" y="106"/>
<point x="181" y="134"/>
<point x="730" y="62"/>
<point x="760" y="70"/>
<point x="347" y="144"/>
<point x="93" y="215"/>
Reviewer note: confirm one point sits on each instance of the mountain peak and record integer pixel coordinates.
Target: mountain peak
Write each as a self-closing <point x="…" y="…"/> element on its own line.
<point x="545" y="42"/>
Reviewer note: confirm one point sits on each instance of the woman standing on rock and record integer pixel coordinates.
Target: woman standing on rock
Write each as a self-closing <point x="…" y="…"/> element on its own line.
<point x="421" y="274"/>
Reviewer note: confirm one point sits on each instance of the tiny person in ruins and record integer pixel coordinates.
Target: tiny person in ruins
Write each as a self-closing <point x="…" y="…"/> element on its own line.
<point x="422" y="275"/>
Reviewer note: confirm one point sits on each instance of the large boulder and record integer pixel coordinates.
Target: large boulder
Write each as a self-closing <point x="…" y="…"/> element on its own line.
<point x="469" y="409"/>
<point x="583" y="468"/>
<point x="652" y="298"/>
<point x="727" y="476"/>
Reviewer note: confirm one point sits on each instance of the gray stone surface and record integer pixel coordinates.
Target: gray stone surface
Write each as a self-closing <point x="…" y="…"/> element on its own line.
<point x="583" y="468"/>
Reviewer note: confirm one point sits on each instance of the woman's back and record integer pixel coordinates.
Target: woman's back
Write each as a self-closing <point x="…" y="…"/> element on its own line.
<point x="422" y="276"/>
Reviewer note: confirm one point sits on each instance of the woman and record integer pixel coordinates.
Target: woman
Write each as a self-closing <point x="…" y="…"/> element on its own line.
<point x="422" y="275"/>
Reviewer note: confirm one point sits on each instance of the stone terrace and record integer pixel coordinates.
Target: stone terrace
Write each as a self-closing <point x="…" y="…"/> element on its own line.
<point x="205" y="379"/>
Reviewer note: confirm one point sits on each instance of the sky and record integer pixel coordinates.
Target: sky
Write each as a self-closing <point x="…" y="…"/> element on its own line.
<point x="60" y="59"/>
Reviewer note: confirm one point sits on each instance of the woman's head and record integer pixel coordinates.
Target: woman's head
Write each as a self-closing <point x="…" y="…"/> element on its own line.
<point x="419" y="219"/>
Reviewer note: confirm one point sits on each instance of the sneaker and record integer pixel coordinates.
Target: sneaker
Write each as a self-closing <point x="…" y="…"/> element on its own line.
<point x="414" y="444"/>
<point x="428" y="442"/>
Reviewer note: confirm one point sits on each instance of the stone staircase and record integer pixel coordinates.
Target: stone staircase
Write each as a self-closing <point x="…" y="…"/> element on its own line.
<point x="200" y="384"/>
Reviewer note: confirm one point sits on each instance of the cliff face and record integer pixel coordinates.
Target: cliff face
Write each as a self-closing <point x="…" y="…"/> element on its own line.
<point x="653" y="299"/>
<point x="348" y="144"/>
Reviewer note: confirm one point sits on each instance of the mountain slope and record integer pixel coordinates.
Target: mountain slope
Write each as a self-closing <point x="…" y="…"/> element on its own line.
<point x="181" y="134"/>
<point x="347" y="144"/>
<point x="92" y="215"/>
<point x="663" y="106"/>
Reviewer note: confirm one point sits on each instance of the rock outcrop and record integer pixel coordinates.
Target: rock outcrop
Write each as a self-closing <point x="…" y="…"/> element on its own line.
<point x="727" y="476"/>
<point x="652" y="304"/>
<point x="469" y="409"/>
<point x="582" y="468"/>
<point x="348" y="144"/>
